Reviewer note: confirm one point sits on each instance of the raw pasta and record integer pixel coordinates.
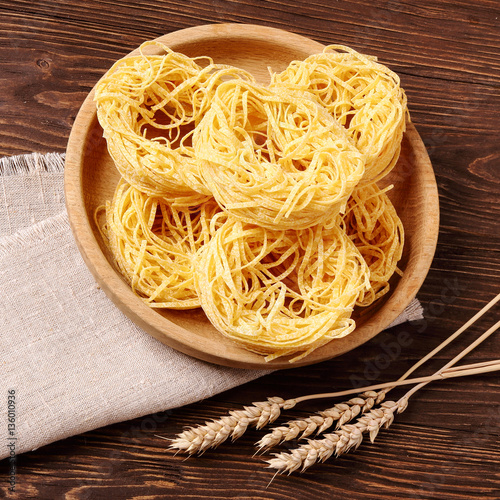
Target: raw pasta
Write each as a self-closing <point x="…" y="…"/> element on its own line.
<point x="153" y="244"/>
<point x="363" y="95"/>
<point x="148" y="106"/>
<point x="273" y="159"/>
<point x="373" y="225"/>
<point x="280" y="292"/>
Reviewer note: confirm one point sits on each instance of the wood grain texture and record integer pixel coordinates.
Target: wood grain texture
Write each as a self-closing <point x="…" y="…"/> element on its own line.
<point x="445" y="445"/>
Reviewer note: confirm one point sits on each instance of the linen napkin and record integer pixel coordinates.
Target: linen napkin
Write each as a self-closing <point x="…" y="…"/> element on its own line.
<point x="75" y="362"/>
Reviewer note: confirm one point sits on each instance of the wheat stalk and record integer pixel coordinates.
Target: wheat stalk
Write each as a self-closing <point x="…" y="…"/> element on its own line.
<point x="344" y="412"/>
<point x="341" y="413"/>
<point x="350" y="436"/>
<point x="403" y="380"/>
<point x="200" y="438"/>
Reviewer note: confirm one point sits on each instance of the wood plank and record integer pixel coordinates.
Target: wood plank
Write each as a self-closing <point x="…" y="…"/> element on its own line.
<point x="429" y="456"/>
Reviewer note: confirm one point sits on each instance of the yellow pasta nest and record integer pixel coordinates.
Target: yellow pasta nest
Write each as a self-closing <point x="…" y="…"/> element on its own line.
<point x="148" y="106"/>
<point x="373" y="225"/>
<point x="153" y="244"/>
<point x="256" y="203"/>
<point x="274" y="159"/>
<point x="280" y="292"/>
<point x="363" y="95"/>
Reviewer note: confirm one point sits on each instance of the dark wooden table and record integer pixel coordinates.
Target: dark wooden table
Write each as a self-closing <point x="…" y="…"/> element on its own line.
<point x="446" y="444"/>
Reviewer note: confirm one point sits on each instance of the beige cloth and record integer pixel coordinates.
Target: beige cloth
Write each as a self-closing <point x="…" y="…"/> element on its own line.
<point x="31" y="190"/>
<point x="75" y="361"/>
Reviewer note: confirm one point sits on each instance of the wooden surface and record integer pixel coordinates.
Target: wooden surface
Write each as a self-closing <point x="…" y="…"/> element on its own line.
<point x="446" y="444"/>
<point x="91" y="177"/>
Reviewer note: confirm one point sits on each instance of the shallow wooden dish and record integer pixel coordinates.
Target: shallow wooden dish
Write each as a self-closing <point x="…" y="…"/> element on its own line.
<point x="91" y="177"/>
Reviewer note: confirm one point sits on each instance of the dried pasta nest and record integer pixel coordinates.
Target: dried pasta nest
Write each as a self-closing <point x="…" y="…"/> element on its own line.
<point x="153" y="244"/>
<point x="373" y="225"/>
<point x="280" y="292"/>
<point x="274" y="159"/>
<point x="363" y="95"/>
<point x="148" y="106"/>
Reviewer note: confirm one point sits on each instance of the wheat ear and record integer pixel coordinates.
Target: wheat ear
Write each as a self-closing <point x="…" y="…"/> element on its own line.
<point x="341" y="413"/>
<point x="200" y="438"/>
<point x="345" y="438"/>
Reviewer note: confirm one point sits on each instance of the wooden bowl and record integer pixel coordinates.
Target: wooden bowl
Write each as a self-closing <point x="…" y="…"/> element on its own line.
<point x="91" y="177"/>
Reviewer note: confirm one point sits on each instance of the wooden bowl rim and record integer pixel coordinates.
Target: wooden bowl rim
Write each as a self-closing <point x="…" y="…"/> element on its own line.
<point x="176" y="336"/>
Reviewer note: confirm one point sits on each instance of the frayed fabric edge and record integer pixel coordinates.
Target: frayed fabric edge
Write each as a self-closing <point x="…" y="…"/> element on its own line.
<point x="38" y="232"/>
<point x="32" y="163"/>
<point x="413" y="312"/>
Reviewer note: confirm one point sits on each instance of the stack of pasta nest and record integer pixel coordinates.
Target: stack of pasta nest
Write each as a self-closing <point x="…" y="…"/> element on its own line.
<point x="257" y="203"/>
